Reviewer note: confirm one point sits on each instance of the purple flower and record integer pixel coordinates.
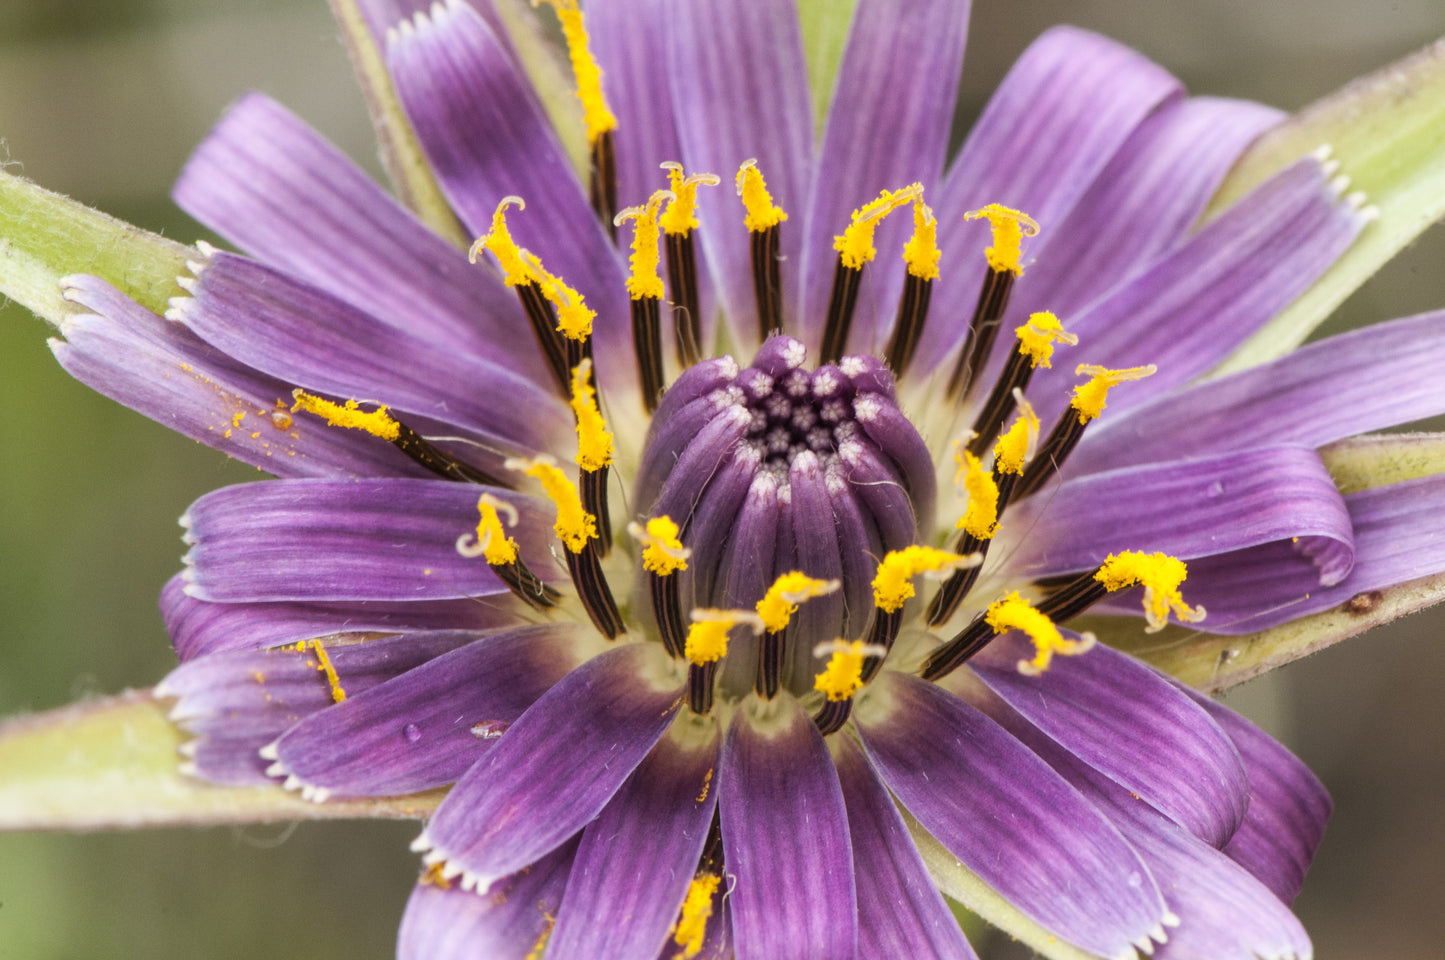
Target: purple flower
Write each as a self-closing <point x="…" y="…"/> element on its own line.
<point x="678" y="695"/>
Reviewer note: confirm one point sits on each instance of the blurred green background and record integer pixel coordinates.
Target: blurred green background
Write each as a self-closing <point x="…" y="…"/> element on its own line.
<point x="103" y="99"/>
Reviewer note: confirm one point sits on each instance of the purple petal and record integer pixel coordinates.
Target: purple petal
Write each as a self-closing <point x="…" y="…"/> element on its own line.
<point x="712" y="523"/>
<point x="428" y="726"/>
<point x="1065" y="108"/>
<point x="887" y="127"/>
<point x="1008" y="817"/>
<point x="785" y="838"/>
<point x="900" y="911"/>
<point x="556" y="767"/>
<point x="1118" y="716"/>
<point x="511" y="921"/>
<point x="667" y="439"/>
<point x="1367" y="379"/>
<point x="882" y="493"/>
<point x="712" y="447"/>
<point x="1189" y="509"/>
<point x="306" y="337"/>
<point x="236" y="703"/>
<point x="198" y="628"/>
<point x="1396" y="538"/>
<point x="1288" y="807"/>
<point x="636" y="81"/>
<point x="638" y="858"/>
<point x="1221" y="912"/>
<point x="751" y="564"/>
<point x="487" y="137"/>
<point x="167" y="373"/>
<point x="1192" y="307"/>
<point x="1143" y="204"/>
<point x="273" y="186"/>
<point x="740" y="92"/>
<point x="332" y="540"/>
<point x="809" y="510"/>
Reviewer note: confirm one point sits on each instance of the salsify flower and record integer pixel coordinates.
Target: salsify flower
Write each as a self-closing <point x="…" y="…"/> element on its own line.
<point x="712" y="530"/>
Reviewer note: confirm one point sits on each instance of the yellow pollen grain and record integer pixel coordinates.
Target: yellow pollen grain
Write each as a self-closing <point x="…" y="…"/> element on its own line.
<point x="595" y="113"/>
<point x="644" y="280"/>
<point x="376" y="422"/>
<point x="491" y="541"/>
<point x="893" y="583"/>
<point x="1160" y="575"/>
<point x="662" y="553"/>
<point x="762" y="213"/>
<point x="1009" y="228"/>
<point x="594" y="440"/>
<point x="574" y="526"/>
<point x="843" y="676"/>
<point x="680" y="217"/>
<point x="516" y="263"/>
<point x="781" y="601"/>
<point x="1090" y="398"/>
<point x="706" y="787"/>
<point x="707" y="640"/>
<point x="921" y="252"/>
<point x="1016" y="447"/>
<point x="432" y="877"/>
<point x="855" y="244"/>
<point x="574" y="317"/>
<point x="325" y="666"/>
<point x="1037" y="337"/>
<point x="540" y="947"/>
<point x="691" y="928"/>
<point x="1013" y="612"/>
<point x="980" y="520"/>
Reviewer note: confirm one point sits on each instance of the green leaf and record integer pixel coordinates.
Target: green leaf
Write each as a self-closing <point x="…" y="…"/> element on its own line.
<point x="1375" y="460"/>
<point x="45" y="236"/>
<point x="1388" y="132"/>
<point x="112" y="763"/>
<point x="401" y="154"/>
<point x="961" y="884"/>
<point x="825" y="30"/>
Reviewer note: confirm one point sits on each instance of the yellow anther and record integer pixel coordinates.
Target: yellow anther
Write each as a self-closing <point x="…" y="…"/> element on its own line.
<point x="707" y="638"/>
<point x="762" y="212"/>
<point x="1036" y="338"/>
<point x="662" y="552"/>
<point x="893" y="584"/>
<point x="855" y="245"/>
<point x="598" y="117"/>
<point x="644" y="281"/>
<point x="1089" y="398"/>
<point x="1016" y="447"/>
<point x="782" y="599"/>
<point x="1013" y="612"/>
<point x="432" y="877"/>
<point x="376" y="422"/>
<point x="594" y="440"/>
<point x="680" y="217"/>
<point x="574" y="526"/>
<point x="323" y="663"/>
<point x="574" y="317"/>
<point x="691" y="928"/>
<point x="980" y="520"/>
<point x="1160" y="575"/>
<point x="1009" y="228"/>
<point x="921" y="252"/>
<point x="519" y="268"/>
<point x="843" y="676"/>
<point x="490" y="540"/>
